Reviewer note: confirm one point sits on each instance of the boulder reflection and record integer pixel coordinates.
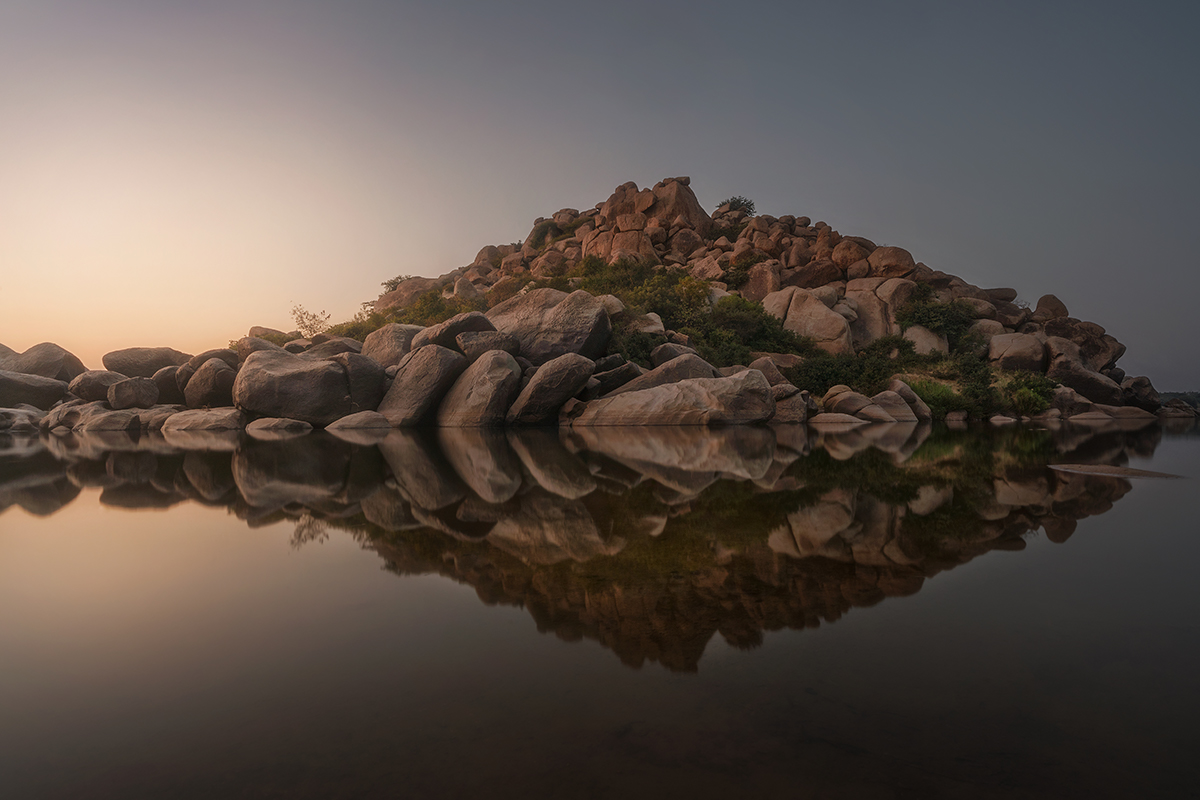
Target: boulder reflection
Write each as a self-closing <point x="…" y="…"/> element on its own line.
<point x="648" y="540"/>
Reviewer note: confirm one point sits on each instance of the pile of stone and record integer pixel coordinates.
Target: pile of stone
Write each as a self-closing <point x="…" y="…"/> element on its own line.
<point x="541" y="357"/>
<point x="843" y="291"/>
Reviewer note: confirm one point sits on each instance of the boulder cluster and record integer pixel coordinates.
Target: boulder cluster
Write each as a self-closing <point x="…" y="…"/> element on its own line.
<point x="541" y="357"/>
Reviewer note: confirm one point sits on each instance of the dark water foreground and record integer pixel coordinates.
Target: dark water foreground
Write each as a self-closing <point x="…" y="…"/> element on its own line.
<point x="274" y="619"/>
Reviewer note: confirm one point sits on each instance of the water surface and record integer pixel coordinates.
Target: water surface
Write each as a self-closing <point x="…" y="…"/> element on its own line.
<point x="896" y="612"/>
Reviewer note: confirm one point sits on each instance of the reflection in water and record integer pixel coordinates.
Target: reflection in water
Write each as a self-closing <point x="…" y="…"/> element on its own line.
<point x="647" y="540"/>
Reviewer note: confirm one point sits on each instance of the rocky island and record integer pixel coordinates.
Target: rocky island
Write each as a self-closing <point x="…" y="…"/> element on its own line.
<point x="643" y="310"/>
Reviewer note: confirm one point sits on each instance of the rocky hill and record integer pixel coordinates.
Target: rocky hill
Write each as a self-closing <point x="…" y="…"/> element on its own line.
<point x="644" y="310"/>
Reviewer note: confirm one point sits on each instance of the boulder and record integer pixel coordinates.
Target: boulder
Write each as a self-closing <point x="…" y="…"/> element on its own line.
<point x="805" y="314"/>
<point x="365" y="379"/>
<point x="811" y="275"/>
<point x="905" y="392"/>
<point x="740" y="399"/>
<point x="445" y="333"/>
<point x="1139" y="392"/>
<point x="1097" y="349"/>
<point x="168" y="386"/>
<point x="280" y="384"/>
<point x="93" y="384"/>
<point x="46" y="359"/>
<point x="259" y="331"/>
<point x="252" y="344"/>
<point x="473" y="344"/>
<point x="793" y="408"/>
<point x="612" y="379"/>
<point x="891" y="262"/>
<point x="218" y="419"/>
<point x="133" y="393"/>
<point x="1017" y="351"/>
<point x="405" y="294"/>
<point x="333" y="346"/>
<point x="769" y="370"/>
<point x="926" y="341"/>
<point x="555" y="382"/>
<point x="230" y="357"/>
<point x="360" y="421"/>
<point x="1049" y="307"/>
<point x="764" y="279"/>
<point x="669" y="351"/>
<point x="143" y="362"/>
<point x="1092" y="385"/>
<point x="482" y="394"/>
<point x="422" y="380"/>
<point x="682" y="367"/>
<point x="18" y="388"/>
<point x="895" y="405"/>
<point x="276" y="428"/>
<point x="389" y="344"/>
<point x="211" y="386"/>
<point x="549" y="323"/>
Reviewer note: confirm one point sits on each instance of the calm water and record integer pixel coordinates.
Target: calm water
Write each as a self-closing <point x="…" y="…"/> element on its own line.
<point x="900" y="612"/>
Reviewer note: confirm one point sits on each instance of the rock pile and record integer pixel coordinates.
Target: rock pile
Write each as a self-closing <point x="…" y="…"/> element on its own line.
<point x="541" y="356"/>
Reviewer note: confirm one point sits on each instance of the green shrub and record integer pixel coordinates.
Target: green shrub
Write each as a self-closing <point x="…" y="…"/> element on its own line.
<point x="867" y="371"/>
<point x="739" y="203"/>
<point x="738" y="274"/>
<point x="951" y="320"/>
<point x="940" y="398"/>
<point x="1027" y="393"/>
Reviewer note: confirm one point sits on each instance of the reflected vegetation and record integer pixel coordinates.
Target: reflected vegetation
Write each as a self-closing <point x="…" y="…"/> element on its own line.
<point x="647" y="540"/>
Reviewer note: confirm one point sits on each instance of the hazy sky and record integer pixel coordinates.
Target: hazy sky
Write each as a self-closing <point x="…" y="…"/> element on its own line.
<point x="174" y="172"/>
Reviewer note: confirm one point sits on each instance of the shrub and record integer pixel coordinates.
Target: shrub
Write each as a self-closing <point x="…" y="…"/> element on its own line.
<point x="951" y="320"/>
<point x="940" y="398"/>
<point x="309" y="323"/>
<point x="1027" y="393"/>
<point x="739" y="203"/>
<point x="738" y="274"/>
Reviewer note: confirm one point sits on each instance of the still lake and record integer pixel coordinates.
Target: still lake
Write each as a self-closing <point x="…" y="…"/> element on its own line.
<point x="894" y="611"/>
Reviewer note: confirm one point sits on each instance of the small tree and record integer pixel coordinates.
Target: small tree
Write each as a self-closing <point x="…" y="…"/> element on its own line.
<point x="739" y="203"/>
<point x="391" y="283"/>
<point x="309" y="323"/>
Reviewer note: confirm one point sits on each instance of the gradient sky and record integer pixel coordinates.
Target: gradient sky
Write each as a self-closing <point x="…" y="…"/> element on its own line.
<point x="173" y="172"/>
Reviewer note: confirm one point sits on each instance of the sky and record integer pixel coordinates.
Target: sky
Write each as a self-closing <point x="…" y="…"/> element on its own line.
<point x="172" y="173"/>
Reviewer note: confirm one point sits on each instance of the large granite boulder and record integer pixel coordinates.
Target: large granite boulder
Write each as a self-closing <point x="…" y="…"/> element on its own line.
<point x="482" y="394"/>
<point x="549" y="323"/>
<point x="739" y="399"/>
<point x="46" y="359"/>
<point x="252" y="344"/>
<point x="1017" y="351"/>
<point x="17" y="388"/>
<point x="143" y="362"/>
<point x="684" y="367"/>
<point x="280" y="384"/>
<point x="1098" y="350"/>
<point x="422" y="380"/>
<point x="1139" y="392"/>
<point x="365" y="378"/>
<point x="1092" y="385"/>
<point x="93" y="384"/>
<point x="133" y="393"/>
<point x="445" y="333"/>
<point x="389" y="344"/>
<point x="804" y="313"/>
<point x="555" y="382"/>
<point x="168" y="385"/>
<point x="212" y="385"/>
